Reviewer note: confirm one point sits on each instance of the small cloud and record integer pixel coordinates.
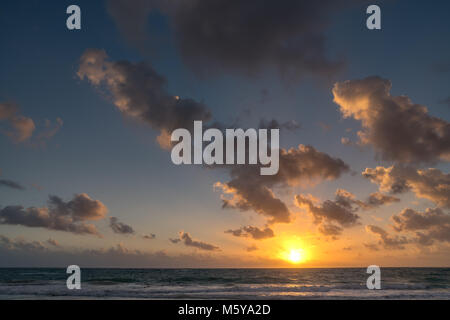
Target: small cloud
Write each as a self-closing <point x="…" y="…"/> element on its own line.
<point x="254" y="232"/>
<point x="188" y="241"/>
<point x="150" y="236"/>
<point x="53" y="242"/>
<point x="11" y="184"/>
<point x="119" y="227"/>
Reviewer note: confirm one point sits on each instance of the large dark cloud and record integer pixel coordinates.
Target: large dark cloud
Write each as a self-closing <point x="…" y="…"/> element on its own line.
<point x="120" y="227"/>
<point x="242" y="36"/>
<point x="254" y="232"/>
<point x="139" y="92"/>
<point x="251" y="191"/>
<point x="188" y="241"/>
<point x="429" y="226"/>
<point x="397" y="128"/>
<point x="59" y="215"/>
<point x="431" y="184"/>
<point x="386" y="240"/>
<point x="340" y="211"/>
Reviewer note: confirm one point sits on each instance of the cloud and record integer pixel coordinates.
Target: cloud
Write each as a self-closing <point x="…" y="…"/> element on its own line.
<point x="254" y="232"/>
<point x="188" y="241"/>
<point x="331" y="212"/>
<point x="21" y="244"/>
<point x="372" y="246"/>
<point x="374" y="200"/>
<point x="119" y="227"/>
<point x="330" y="230"/>
<point x="244" y="37"/>
<point x="291" y="125"/>
<point x="53" y="242"/>
<point x="150" y="236"/>
<point x="59" y="215"/>
<point x="251" y="191"/>
<point x="139" y="92"/>
<point x="397" y="128"/>
<point x="23" y="253"/>
<point x="21" y="128"/>
<point x="429" y="226"/>
<point x="386" y="240"/>
<point x="251" y="248"/>
<point x="378" y="199"/>
<point x="11" y="184"/>
<point x="431" y="184"/>
<point x="342" y="210"/>
<point x="8" y="110"/>
<point x="49" y="130"/>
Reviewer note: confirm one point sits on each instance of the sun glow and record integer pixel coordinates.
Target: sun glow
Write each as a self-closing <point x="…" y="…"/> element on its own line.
<point x="295" y="256"/>
<point x="294" y="252"/>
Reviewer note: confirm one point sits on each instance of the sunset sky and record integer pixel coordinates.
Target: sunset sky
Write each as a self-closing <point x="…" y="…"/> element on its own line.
<point x="86" y="176"/>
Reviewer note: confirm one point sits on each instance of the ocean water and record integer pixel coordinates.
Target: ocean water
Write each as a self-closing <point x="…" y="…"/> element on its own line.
<point x="345" y="283"/>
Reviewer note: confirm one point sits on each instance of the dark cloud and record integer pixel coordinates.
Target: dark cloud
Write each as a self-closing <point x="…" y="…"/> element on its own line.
<point x="386" y="240"/>
<point x="330" y="230"/>
<point x="429" y="226"/>
<point x="372" y="246"/>
<point x="251" y="191"/>
<point x="397" y="128"/>
<point x="119" y="227"/>
<point x="188" y="241"/>
<point x="252" y="248"/>
<point x="378" y="199"/>
<point x="239" y="36"/>
<point x="139" y="92"/>
<point x="150" y="236"/>
<point x="11" y="184"/>
<point x="340" y="211"/>
<point x="431" y="184"/>
<point x="254" y="232"/>
<point x="59" y="215"/>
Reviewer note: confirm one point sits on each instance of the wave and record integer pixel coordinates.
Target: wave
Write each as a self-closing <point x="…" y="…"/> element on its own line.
<point x="136" y="291"/>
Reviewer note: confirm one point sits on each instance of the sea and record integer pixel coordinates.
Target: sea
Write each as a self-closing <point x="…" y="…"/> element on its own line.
<point x="335" y="283"/>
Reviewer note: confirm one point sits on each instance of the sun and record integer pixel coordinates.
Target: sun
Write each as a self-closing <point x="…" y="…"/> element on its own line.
<point x="294" y="250"/>
<point x="296" y="255"/>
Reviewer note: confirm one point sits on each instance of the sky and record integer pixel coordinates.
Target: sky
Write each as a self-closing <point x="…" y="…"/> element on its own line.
<point x="86" y="175"/>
